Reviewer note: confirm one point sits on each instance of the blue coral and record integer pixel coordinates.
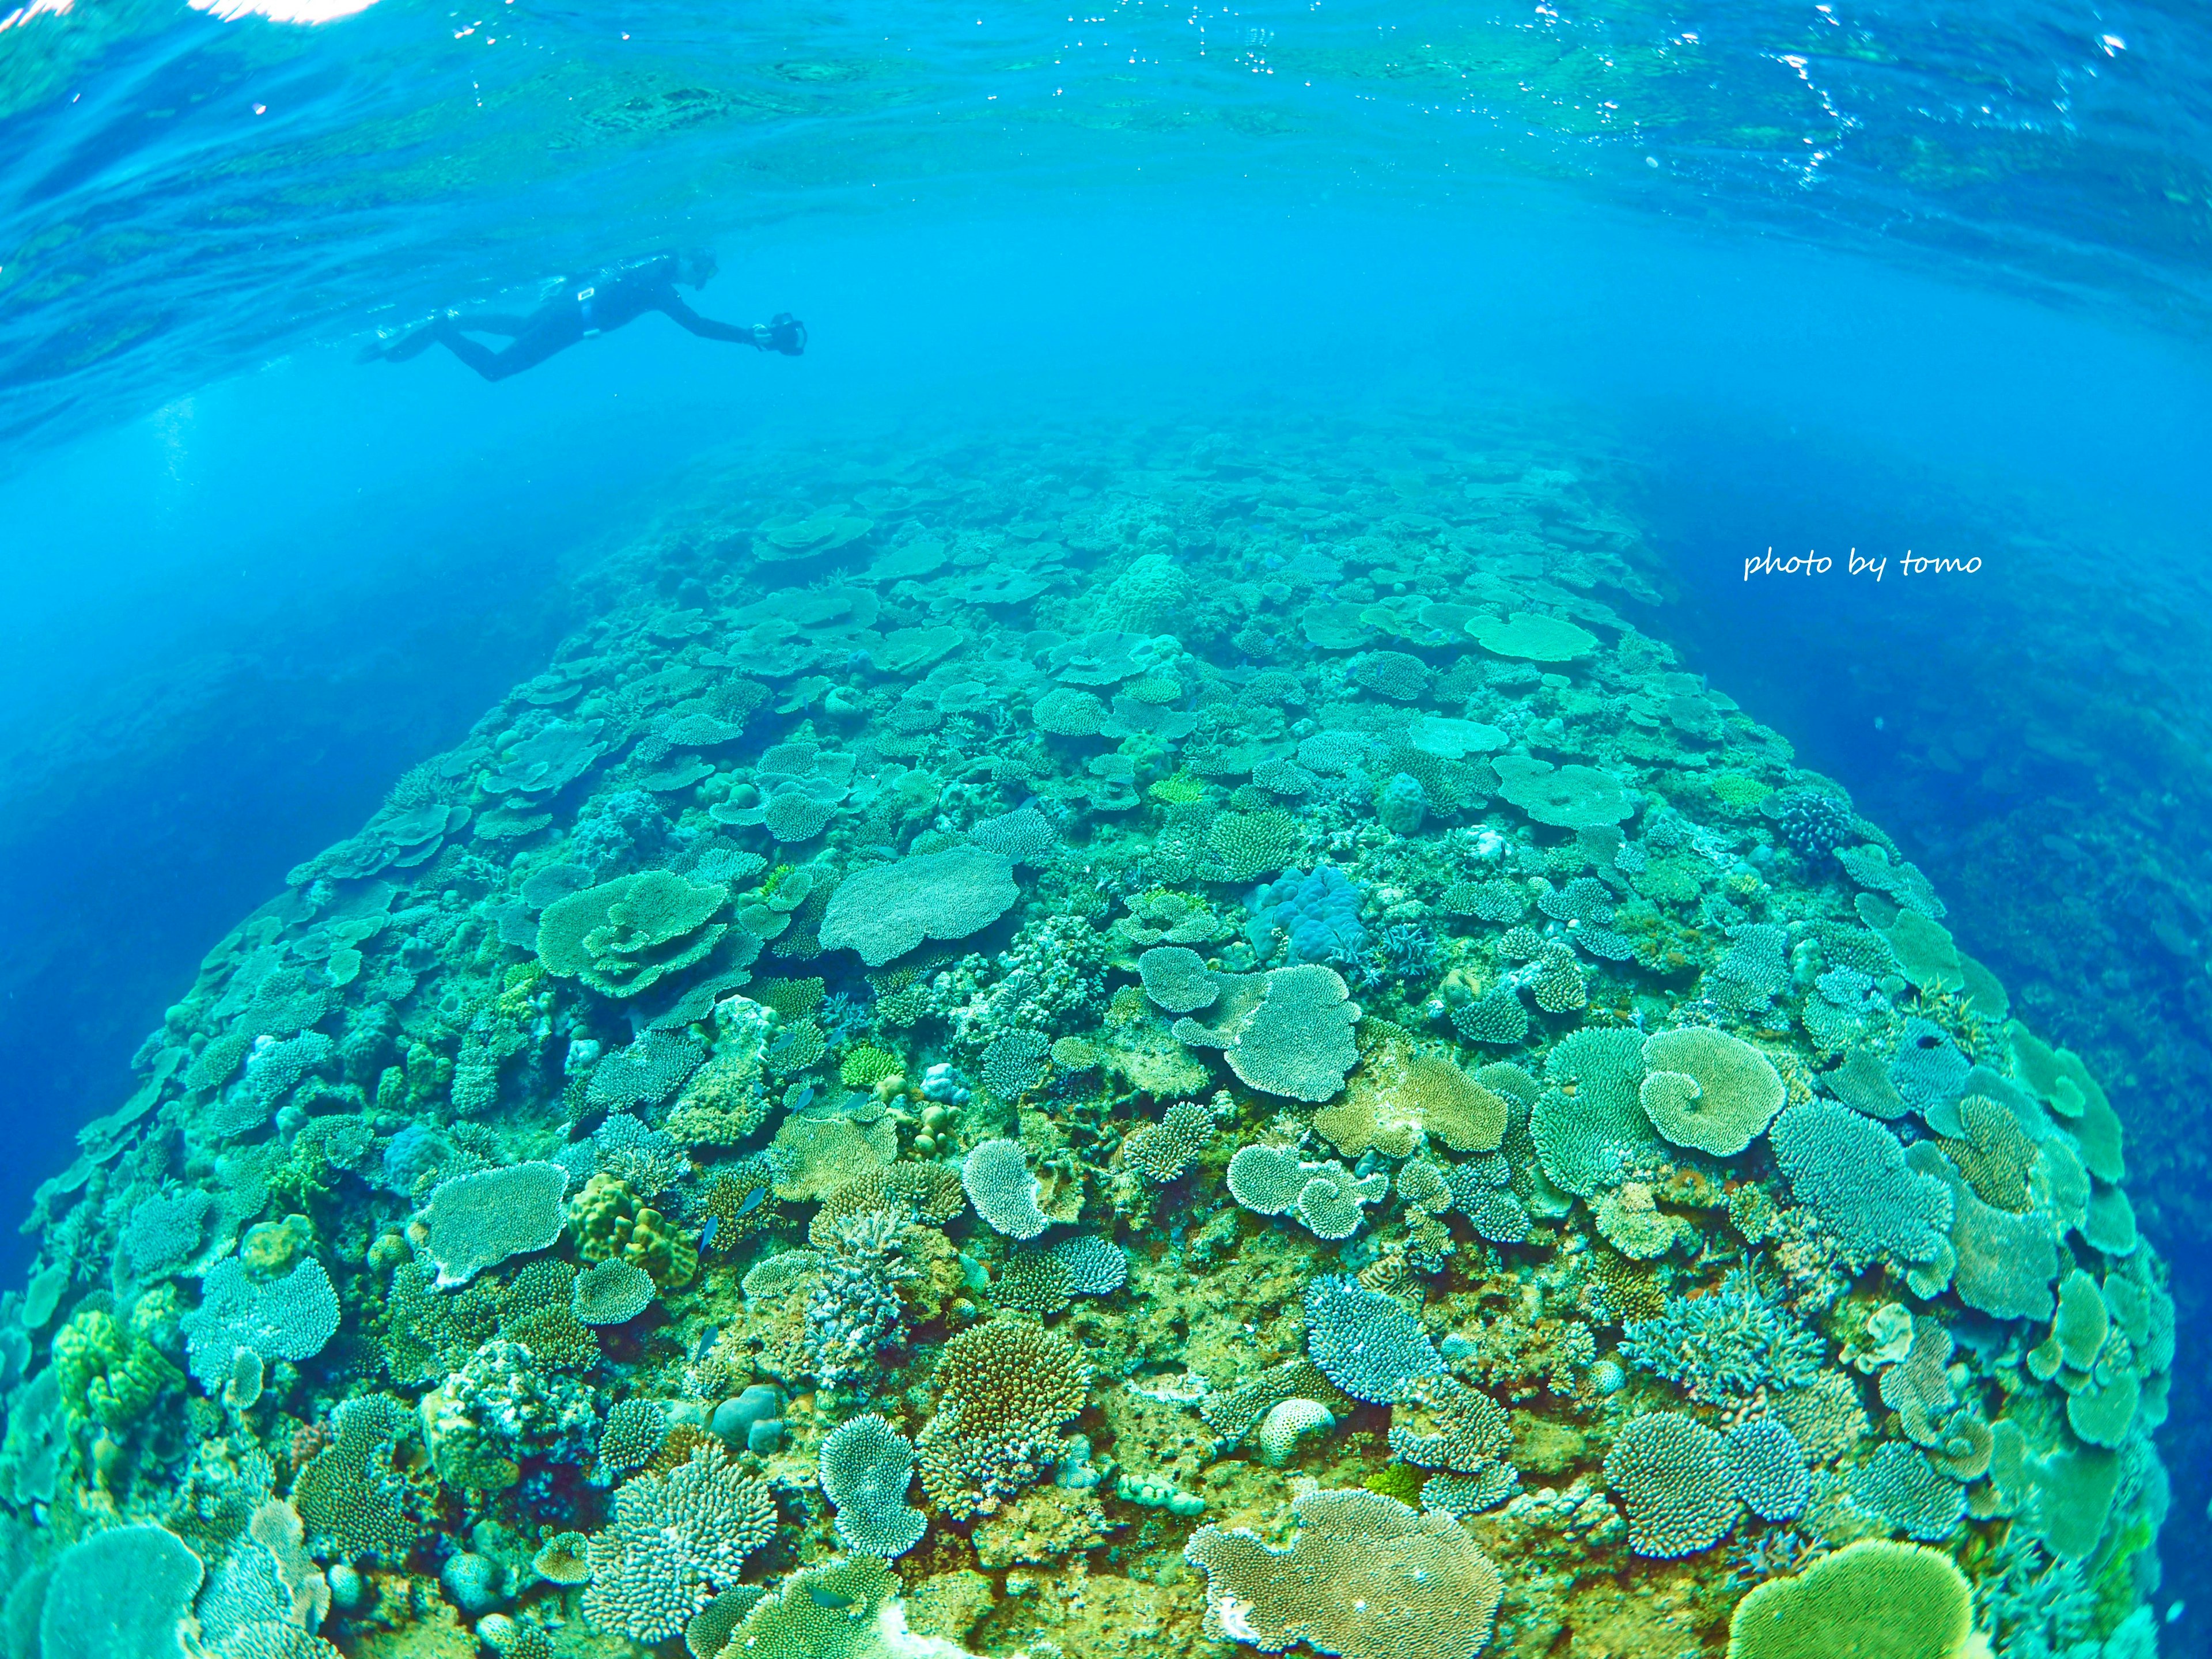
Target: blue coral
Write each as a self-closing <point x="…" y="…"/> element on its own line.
<point x="1814" y="822"/>
<point x="1318" y="915"/>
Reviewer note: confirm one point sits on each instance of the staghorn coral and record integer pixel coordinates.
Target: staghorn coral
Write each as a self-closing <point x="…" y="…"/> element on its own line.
<point x="1728" y="1343"/>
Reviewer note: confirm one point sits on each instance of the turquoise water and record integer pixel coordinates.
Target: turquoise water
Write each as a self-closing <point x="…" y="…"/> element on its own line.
<point x="1886" y="280"/>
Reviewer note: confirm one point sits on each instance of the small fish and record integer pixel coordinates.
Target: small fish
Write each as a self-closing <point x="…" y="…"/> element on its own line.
<point x="707" y="1338"/>
<point x="746" y="1205"/>
<point x="828" y="1598"/>
<point x="706" y="1233"/>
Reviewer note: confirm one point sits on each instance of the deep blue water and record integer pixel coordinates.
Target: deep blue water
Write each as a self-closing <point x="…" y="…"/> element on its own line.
<point x="1822" y="278"/>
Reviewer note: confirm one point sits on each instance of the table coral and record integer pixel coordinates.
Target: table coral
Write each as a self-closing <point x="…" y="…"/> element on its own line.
<point x="1675" y="1479"/>
<point x="1364" y="1342"/>
<point x="866" y="1466"/>
<point x="1297" y="1041"/>
<point x="1706" y="1090"/>
<point x="476" y="1221"/>
<point x="625" y="936"/>
<point x="1897" y="1600"/>
<point x="1364" y="1576"/>
<point x="887" y="909"/>
<point x="287" y="1318"/>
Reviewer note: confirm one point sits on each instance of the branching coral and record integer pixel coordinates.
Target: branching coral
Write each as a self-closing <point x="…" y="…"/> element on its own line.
<point x="672" y="1543"/>
<point x="1728" y="1343"/>
<point x="1005" y="1390"/>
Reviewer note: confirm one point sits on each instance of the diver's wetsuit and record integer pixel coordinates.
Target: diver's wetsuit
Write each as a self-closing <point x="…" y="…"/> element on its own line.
<point x="618" y="294"/>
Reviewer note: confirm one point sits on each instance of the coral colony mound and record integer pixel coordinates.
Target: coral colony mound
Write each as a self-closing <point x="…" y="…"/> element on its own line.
<point x="1072" y="1051"/>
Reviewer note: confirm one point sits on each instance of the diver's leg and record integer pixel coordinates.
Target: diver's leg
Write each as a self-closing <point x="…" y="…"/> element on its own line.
<point x="480" y="357"/>
<point x="532" y="348"/>
<point x="496" y="322"/>
<point x="407" y="346"/>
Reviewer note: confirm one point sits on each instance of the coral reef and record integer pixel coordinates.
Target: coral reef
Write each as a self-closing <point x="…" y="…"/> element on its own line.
<point x="1219" y="1050"/>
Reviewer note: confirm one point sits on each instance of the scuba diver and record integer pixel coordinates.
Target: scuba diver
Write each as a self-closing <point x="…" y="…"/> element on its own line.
<point x="616" y="295"/>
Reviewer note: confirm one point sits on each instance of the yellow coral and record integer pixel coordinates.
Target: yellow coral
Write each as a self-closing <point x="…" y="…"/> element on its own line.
<point x="613" y="1223"/>
<point x="108" y="1374"/>
<point x="1396" y="1095"/>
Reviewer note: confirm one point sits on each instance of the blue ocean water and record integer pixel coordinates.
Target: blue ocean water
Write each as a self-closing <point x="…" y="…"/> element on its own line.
<point x="1883" y="280"/>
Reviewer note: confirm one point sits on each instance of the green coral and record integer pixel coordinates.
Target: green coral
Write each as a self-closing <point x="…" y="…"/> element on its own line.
<point x="865" y="1068"/>
<point x="625" y="936"/>
<point x="822" y="1612"/>
<point x="1871" y="1599"/>
<point x="107" y="1373"/>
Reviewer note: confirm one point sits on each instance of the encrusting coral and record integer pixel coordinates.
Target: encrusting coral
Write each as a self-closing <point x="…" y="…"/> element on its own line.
<point x="1217" y="1050"/>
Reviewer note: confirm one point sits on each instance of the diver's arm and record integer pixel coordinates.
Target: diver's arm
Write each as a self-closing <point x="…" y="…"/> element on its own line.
<point x="706" y="328"/>
<point x="782" y="333"/>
